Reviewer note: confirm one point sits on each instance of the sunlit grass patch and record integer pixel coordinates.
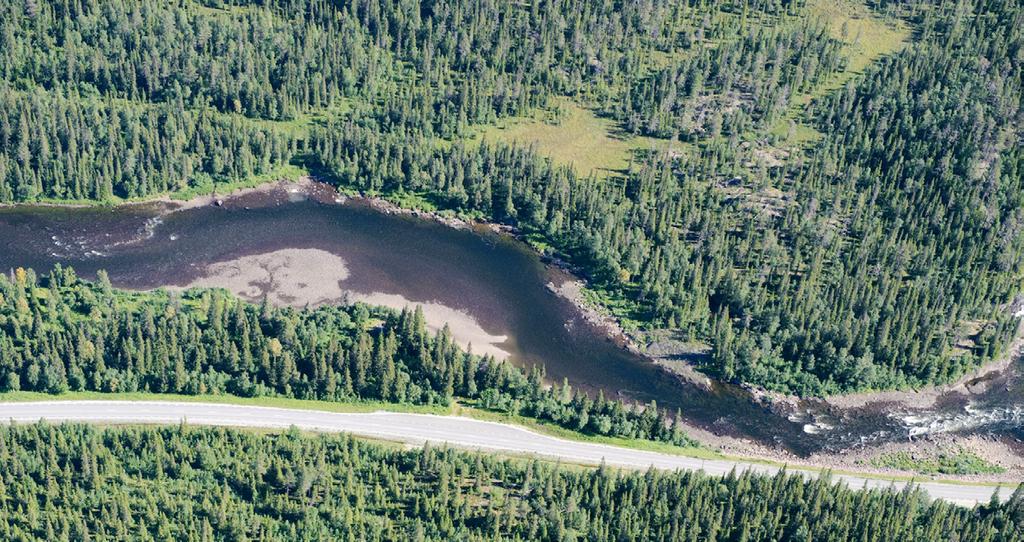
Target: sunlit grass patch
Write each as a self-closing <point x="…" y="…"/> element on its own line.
<point x="572" y="135"/>
<point x="468" y="410"/>
<point x="204" y="186"/>
<point x="958" y="462"/>
<point x="866" y="38"/>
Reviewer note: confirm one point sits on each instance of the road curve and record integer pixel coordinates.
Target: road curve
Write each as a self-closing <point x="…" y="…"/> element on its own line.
<point x="420" y="428"/>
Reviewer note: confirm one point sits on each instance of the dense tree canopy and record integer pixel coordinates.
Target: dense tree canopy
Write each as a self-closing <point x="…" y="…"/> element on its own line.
<point x="74" y="482"/>
<point x="65" y="334"/>
<point x="890" y="257"/>
<point x="884" y="250"/>
<point x="725" y="89"/>
<point x="68" y="147"/>
<point x="884" y="253"/>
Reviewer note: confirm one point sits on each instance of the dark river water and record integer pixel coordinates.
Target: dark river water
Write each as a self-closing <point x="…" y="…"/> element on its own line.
<point x="496" y="280"/>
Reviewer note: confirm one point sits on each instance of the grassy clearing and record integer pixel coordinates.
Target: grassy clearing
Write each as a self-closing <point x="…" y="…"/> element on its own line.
<point x="623" y="307"/>
<point x="572" y="135"/>
<point x="285" y="172"/>
<point x="957" y="462"/>
<point x="866" y="38"/>
<point x="220" y="11"/>
<point x="413" y="200"/>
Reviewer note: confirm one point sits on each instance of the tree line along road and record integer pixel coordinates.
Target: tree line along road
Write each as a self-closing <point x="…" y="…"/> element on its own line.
<point x="452" y="430"/>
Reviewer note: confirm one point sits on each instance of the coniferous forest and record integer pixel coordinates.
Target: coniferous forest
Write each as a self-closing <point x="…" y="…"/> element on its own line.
<point x="74" y="482"/>
<point x="828" y="197"/>
<point x="884" y="251"/>
<point x="60" y="334"/>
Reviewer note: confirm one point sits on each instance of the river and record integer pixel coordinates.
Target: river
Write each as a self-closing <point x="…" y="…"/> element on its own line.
<point x="495" y="286"/>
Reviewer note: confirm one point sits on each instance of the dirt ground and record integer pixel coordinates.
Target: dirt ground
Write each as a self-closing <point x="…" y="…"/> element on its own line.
<point x="312" y="277"/>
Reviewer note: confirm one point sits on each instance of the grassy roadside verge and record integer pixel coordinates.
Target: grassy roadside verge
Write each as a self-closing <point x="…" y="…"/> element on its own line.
<point x="553" y="430"/>
<point x="273" y="402"/>
<point x="474" y="413"/>
<point x="457" y="409"/>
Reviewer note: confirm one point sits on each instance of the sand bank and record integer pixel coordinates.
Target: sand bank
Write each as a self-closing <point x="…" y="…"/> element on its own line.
<point x="312" y="277"/>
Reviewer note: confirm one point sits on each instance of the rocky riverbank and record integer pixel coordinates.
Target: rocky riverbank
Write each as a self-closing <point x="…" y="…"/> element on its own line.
<point x="680" y="357"/>
<point x="668" y="349"/>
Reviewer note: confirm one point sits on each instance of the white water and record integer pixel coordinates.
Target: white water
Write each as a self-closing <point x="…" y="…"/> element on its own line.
<point x="971" y="417"/>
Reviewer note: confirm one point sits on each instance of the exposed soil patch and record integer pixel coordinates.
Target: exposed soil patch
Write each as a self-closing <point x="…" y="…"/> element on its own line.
<point x="464" y="328"/>
<point x="312" y="277"/>
<point x="301" y="277"/>
<point x="289" y="277"/>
